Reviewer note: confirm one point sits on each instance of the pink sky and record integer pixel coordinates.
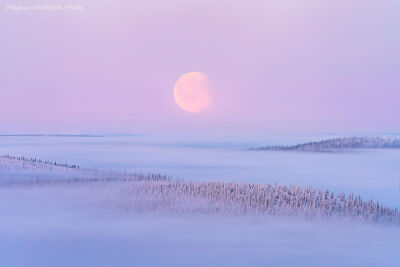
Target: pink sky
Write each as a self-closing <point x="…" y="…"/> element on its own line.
<point x="276" y="66"/>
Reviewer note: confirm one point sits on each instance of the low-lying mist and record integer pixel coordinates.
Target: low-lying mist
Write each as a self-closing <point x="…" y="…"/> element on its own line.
<point x="95" y="218"/>
<point x="80" y="225"/>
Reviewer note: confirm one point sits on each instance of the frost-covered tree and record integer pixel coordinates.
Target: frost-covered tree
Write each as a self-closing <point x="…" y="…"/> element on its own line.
<point x="153" y="192"/>
<point x="336" y="144"/>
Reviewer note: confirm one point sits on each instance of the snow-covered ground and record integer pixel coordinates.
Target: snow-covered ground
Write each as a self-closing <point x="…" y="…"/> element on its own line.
<point x="158" y="193"/>
<point x="76" y="225"/>
<point x="84" y="221"/>
<point x="373" y="174"/>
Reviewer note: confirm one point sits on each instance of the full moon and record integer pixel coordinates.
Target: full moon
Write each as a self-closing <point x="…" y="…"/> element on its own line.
<point x="192" y="92"/>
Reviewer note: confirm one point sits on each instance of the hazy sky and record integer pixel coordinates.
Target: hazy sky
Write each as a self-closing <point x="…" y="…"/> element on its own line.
<point x="276" y="66"/>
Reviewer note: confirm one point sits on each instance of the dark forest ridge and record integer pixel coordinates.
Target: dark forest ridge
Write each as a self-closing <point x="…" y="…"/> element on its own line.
<point x="337" y="144"/>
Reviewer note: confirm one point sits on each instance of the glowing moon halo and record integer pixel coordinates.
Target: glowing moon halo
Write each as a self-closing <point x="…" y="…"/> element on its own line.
<point x="192" y="92"/>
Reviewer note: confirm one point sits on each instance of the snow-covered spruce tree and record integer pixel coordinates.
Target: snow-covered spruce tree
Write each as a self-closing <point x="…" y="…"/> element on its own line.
<point x="247" y="198"/>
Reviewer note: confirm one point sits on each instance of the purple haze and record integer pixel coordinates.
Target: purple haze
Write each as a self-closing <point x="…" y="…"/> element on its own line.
<point x="276" y="66"/>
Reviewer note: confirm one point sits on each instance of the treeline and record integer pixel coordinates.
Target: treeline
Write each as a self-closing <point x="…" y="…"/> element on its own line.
<point x="246" y="198"/>
<point x="337" y="144"/>
<point x="33" y="162"/>
<point x="154" y="192"/>
<point x="26" y="171"/>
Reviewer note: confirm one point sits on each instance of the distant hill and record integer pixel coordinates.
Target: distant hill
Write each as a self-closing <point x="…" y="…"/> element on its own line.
<point x="338" y="144"/>
<point x="50" y="135"/>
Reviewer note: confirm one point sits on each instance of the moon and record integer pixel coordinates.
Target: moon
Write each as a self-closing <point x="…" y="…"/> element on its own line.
<point x="192" y="92"/>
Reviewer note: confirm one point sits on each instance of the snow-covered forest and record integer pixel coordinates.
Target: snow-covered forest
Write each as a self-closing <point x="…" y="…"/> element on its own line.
<point x="153" y="192"/>
<point x="337" y="144"/>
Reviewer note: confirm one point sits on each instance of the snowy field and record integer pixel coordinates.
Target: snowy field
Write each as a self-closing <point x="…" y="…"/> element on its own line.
<point x="92" y="223"/>
<point x="64" y="226"/>
<point x="374" y="174"/>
